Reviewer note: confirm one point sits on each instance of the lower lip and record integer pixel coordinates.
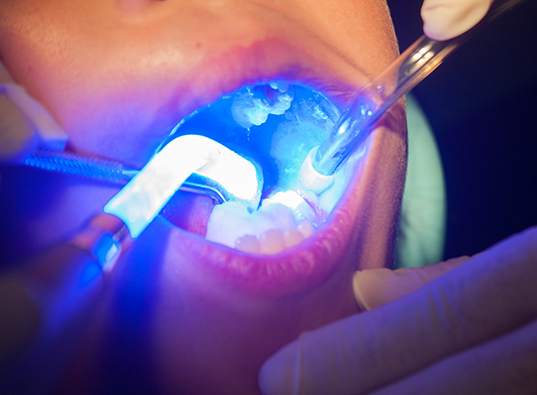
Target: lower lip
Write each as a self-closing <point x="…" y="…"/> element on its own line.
<point x="290" y="271"/>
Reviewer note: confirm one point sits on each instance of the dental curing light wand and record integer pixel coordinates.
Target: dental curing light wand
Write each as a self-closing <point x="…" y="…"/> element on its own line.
<point x="380" y="95"/>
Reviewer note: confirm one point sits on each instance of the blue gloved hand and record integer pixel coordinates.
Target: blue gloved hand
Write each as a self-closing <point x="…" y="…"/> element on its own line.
<point x="473" y="330"/>
<point x="24" y="123"/>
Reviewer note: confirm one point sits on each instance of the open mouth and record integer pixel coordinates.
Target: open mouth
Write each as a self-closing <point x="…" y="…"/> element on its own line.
<point x="274" y="125"/>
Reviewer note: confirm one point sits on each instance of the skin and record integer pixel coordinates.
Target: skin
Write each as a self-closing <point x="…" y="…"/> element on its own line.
<point x="180" y="314"/>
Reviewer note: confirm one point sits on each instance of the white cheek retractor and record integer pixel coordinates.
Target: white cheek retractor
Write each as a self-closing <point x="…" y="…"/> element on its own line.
<point x="381" y="94"/>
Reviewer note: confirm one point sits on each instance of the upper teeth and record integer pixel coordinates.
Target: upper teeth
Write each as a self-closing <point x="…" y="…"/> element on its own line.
<point x="252" y="107"/>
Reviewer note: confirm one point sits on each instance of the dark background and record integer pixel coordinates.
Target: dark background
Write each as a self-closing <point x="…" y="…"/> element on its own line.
<point x="482" y="106"/>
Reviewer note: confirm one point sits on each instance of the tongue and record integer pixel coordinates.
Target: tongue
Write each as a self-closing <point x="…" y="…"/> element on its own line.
<point x="189" y="211"/>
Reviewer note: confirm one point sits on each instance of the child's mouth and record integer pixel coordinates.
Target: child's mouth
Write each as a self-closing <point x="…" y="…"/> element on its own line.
<point x="274" y="125"/>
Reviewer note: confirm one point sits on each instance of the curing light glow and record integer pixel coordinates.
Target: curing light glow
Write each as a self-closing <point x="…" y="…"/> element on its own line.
<point x="140" y="201"/>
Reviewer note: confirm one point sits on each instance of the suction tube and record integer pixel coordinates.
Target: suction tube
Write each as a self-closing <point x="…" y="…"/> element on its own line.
<point x="381" y="94"/>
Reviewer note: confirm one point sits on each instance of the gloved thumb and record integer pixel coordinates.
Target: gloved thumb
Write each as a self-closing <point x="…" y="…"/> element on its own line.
<point x="492" y="294"/>
<point x="443" y="20"/>
<point x="376" y="287"/>
<point x="17" y="134"/>
<point x="24" y="122"/>
<point x="322" y="361"/>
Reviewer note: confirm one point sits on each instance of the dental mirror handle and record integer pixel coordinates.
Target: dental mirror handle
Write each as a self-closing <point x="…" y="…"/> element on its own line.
<point x="380" y="94"/>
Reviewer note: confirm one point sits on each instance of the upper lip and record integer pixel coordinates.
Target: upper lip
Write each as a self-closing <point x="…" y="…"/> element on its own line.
<point x="315" y="258"/>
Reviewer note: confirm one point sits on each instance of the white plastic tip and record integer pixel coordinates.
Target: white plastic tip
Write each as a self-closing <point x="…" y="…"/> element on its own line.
<point x="311" y="179"/>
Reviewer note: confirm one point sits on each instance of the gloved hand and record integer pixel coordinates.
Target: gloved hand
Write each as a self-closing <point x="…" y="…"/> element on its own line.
<point x="443" y="20"/>
<point x="24" y="122"/>
<point x="47" y="301"/>
<point x="472" y="330"/>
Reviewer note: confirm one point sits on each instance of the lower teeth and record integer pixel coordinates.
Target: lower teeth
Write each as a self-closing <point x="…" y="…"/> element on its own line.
<point x="268" y="230"/>
<point x="278" y="124"/>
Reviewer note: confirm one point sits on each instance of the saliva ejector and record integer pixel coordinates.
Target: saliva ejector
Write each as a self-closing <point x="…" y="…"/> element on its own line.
<point x="379" y="96"/>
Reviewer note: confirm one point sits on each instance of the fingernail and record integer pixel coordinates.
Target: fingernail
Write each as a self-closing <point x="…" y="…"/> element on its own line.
<point x="376" y="287"/>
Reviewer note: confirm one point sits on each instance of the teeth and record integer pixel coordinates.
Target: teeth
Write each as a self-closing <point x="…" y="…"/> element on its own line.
<point x="252" y="106"/>
<point x="292" y="237"/>
<point x="295" y="202"/>
<point x="269" y="230"/>
<point x="271" y="242"/>
<point x="248" y="243"/>
<point x="281" y="86"/>
<point x="306" y="228"/>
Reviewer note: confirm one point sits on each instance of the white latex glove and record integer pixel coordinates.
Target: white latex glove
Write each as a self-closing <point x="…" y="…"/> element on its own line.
<point x="24" y="122"/>
<point x="445" y="19"/>
<point x="473" y="330"/>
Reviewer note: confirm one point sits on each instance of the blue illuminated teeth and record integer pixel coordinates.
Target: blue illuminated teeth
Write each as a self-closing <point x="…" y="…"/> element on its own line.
<point x="282" y="222"/>
<point x="252" y="106"/>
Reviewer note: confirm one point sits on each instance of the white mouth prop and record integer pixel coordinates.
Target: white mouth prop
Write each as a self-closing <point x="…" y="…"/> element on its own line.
<point x="275" y="125"/>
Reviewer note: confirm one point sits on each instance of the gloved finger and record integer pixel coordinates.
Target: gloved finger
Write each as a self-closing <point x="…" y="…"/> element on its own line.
<point x="506" y="365"/>
<point x="443" y="20"/>
<point x="376" y="287"/>
<point x="17" y="135"/>
<point x="24" y="122"/>
<point x="490" y="295"/>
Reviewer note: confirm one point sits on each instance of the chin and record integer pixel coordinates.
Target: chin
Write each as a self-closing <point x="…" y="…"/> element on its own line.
<point x="188" y="315"/>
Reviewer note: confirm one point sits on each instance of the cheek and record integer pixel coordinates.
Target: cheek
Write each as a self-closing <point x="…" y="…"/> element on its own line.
<point x="204" y="326"/>
<point x="380" y="204"/>
<point x="127" y="125"/>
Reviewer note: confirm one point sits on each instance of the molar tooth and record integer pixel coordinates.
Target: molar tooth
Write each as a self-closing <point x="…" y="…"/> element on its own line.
<point x="252" y="106"/>
<point x="271" y="242"/>
<point x="306" y="228"/>
<point x="279" y="215"/>
<point x="248" y="243"/>
<point x="300" y="208"/>
<point x="292" y="237"/>
<point x="281" y="86"/>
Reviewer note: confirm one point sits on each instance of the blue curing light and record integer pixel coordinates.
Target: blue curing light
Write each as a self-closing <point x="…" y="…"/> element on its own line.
<point x="140" y="201"/>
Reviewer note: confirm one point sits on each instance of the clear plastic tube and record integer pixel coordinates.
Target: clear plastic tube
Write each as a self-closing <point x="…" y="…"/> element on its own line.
<point x="381" y="94"/>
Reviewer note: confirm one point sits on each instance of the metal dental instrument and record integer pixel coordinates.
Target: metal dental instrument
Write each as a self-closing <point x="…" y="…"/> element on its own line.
<point x="113" y="173"/>
<point x="381" y="94"/>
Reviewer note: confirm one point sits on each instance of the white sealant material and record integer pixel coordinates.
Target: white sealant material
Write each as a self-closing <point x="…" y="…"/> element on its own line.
<point x="446" y="19"/>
